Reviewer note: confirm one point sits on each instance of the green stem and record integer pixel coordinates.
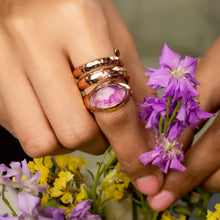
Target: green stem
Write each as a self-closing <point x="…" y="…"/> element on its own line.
<point x="7" y="202"/>
<point x="134" y="210"/>
<point x="167" y="115"/>
<point x="160" y="127"/>
<point x="98" y="174"/>
<point x="100" y="171"/>
<point x="175" y="112"/>
<point x="146" y="208"/>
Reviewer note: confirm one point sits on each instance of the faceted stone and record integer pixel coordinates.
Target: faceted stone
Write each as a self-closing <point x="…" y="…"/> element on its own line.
<point x="108" y="96"/>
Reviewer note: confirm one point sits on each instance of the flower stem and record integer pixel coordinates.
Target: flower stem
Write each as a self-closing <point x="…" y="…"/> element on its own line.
<point x="160" y="127"/>
<point x="100" y="171"/>
<point x="175" y="112"/>
<point x="134" y="210"/>
<point x="7" y="202"/>
<point x="167" y="115"/>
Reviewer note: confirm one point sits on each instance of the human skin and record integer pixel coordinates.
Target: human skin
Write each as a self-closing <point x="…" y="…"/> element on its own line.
<point x="41" y="42"/>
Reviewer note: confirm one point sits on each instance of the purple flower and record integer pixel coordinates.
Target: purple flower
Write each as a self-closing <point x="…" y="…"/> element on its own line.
<point x="175" y="130"/>
<point x="175" y="75"/>
<point x="7" y="217"/>
<point x="28" y="204"/>
<point x="51" y="213"/>
<point x="30" y="207"/>
<point x="80" y="212"/>
<point x="4" y="180"/>
<point x="190" y="113"/>
<point x="165" y="155"/>
<point x="24" y="178"/>
<point x="153" y="108"/>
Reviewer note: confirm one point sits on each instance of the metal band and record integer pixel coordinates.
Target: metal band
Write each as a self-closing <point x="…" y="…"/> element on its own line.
<point x="107" y="61"/>
<point x="102" y="75"/>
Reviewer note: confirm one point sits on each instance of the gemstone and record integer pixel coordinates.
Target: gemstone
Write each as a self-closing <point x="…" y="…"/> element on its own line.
<point x="108" y="96"/>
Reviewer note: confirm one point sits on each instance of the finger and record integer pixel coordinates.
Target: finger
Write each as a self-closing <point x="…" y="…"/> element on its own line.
<point x="122" y="39"/>
<point x="212" y="183"/>
<point x="18" y="100"/>
<point x="127" y="137"/>
<point x="209" y="83"/>
<point x="4" y="122"/>
<point x="200" y="161"/>
<point x="49" y="72"/>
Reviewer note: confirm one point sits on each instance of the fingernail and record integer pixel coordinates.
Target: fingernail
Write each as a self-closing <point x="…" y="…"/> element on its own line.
<point x="148" y="185"/>
<point x="162" y="200"/>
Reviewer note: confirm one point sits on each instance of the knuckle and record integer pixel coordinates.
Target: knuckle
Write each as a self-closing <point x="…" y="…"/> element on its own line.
<point x="36" y="145"/>
<point x="18" y="23"/>
<point x="83" y="11"/>
<point x="15" y="16"/>
<point x="73" y="137"/>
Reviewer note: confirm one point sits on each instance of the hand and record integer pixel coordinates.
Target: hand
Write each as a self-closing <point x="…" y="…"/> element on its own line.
<point x="202" y="159"/>
<point x="41" y="42"/>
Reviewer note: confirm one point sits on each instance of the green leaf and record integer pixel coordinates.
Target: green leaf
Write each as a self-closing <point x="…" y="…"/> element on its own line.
<point x="182" y="209"/>
<point x="51" y="203"/>
<point x="91" y="174"/>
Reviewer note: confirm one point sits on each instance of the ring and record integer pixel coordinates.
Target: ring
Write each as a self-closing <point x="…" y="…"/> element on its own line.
<point x="99" y="76"/>
<point x="107" y="61"/>
<point x="108" y="96"/>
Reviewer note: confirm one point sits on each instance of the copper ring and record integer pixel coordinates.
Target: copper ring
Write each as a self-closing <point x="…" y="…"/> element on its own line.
<point x="106" y="61"/>
<point x="102" y="75"/>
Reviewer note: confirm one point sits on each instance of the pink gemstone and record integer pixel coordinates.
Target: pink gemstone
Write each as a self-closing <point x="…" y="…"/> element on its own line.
<point x="108" y="96"/>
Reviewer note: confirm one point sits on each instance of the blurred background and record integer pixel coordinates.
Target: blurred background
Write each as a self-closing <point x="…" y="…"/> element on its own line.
<point x="189" y="27"/>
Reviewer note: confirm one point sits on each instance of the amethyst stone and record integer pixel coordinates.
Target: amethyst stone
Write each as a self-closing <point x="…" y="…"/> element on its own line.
<point x="108" y="96"/>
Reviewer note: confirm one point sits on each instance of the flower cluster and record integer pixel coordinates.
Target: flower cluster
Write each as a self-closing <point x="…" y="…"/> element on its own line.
<point x="49" y="188"/>
<point x="63" y="178"/>
<point x="116" y="184"/>
<point x="172" y="113"/>
<point x="55" y="188"/>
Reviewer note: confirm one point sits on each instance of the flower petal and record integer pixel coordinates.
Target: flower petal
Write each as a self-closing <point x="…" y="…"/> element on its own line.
<point x="169" y="58"/>
<point x="190" y="64"/>
<point x="27" y="203"/>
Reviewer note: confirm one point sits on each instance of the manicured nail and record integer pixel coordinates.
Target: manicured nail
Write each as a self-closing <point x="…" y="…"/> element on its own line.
<point x="162" y="200"/>
<point x="148" y="185"/>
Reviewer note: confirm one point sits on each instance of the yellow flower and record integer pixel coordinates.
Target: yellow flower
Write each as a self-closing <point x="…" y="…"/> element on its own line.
<point x="60" y="184"/>
<point x="115" y="184"/>
<point x="61" y="161"/>
<point x="214" y="215"/>
<point x="42" y="164"/>
<point x="48" y="162"/>
<point x="82" y="195"/>
<point x="45" y="198"/>
<point x="71" y="163"/>
<point x="67" y="198"/>
<point x="167" y="216"/>
<point x="76" y="163"/>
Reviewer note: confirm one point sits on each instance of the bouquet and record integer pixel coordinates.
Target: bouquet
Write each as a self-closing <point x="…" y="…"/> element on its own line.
<point x="57" y="187"/>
